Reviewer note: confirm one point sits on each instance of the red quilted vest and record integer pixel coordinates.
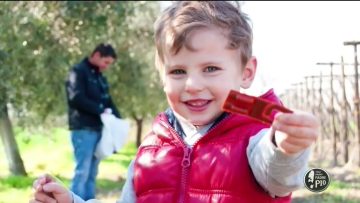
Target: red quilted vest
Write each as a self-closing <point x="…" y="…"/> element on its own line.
<point x="216" y="169"/>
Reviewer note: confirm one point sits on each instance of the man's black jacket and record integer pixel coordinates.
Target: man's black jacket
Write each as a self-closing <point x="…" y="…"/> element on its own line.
<point x="87" y="92"/>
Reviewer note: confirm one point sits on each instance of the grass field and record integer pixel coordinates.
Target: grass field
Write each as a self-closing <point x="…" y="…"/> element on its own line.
<point x="52" y="153"/>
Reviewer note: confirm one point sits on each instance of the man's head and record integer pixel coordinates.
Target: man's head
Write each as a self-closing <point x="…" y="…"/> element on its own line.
<point x="103" y="56"/>
<point x="203" y="52"/>
<point x="178" y="21"/>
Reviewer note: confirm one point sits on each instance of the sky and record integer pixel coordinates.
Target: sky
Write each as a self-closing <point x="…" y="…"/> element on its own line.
<point x="291" y="37"/>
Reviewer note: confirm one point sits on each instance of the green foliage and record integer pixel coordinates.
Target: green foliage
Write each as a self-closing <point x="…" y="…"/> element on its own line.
<point x="40" y="41"/>
<point x="335" y="185"/>
<point x="338" y="191"/>
<point x="325" y="198"/>
<point x="41" y="150"/>
<point x="31" y="68"/>
<point x="19" y="182"/>
<point x="105" y="185"/>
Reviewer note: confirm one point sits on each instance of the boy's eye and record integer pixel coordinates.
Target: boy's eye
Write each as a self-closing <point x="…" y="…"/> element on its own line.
<point x="177" y="72"/>
<point x="211" y="68"/>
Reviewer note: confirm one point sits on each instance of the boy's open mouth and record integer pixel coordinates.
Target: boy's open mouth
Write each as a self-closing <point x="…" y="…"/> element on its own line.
<point x="197" y="104"/>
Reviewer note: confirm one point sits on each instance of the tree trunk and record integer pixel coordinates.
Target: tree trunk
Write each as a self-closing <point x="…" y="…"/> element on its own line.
<point x="139" y="123"/>
<point x="15" y="162"/>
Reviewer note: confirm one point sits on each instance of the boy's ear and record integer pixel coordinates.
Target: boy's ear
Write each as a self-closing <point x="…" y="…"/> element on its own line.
<point x="96" y="55"/>
<point x="248" y="74"/>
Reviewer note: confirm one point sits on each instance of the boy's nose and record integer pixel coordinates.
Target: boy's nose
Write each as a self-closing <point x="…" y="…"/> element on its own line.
<point x="194" y="84"/>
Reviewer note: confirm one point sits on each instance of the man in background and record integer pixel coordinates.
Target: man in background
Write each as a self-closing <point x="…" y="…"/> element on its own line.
<point x="88" y="97"/>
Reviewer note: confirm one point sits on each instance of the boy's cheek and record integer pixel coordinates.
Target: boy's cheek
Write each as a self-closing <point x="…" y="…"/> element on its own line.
<point x="167" y="88"/>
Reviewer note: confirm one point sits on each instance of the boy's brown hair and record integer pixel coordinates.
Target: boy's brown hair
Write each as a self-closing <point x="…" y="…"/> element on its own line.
<point x="175" y="24"/>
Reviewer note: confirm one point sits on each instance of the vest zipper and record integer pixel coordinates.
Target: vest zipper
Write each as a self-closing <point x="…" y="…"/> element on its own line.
<point x="186" y="161"/>
<point x="184" y="172"/>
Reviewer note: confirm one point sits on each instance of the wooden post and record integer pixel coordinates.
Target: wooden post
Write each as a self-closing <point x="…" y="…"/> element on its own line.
<point x="319" y="109"/>
<point x="296" y="96"/>
<point x="356" y="99"/>
<point x="332" y="111"/>
<point x="313" y="94"/>
<point x="301" y="96"/>
<point x="344" y="119"/>
<point x="307" y="92"/>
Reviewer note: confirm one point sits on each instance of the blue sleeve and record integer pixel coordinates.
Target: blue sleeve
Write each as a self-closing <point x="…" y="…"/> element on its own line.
<point x="128" y="192"/>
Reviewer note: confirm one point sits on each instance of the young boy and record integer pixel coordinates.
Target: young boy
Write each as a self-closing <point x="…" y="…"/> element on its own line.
<point x="195" y="151"/>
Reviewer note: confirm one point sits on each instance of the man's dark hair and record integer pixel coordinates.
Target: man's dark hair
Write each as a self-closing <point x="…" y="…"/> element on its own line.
<point x="105" y="50"/>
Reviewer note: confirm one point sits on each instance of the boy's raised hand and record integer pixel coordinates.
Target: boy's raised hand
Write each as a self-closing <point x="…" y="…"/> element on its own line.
<point x="294" y="132"/>
<point x="50" y="190"/>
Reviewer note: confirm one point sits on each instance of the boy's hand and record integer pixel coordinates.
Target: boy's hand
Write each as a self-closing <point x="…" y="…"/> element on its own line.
<point x="295" y="132"/>
<point x="50" y="190"/>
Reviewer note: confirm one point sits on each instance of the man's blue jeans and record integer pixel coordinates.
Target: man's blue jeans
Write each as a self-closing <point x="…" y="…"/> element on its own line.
<point x="84" y="144"/>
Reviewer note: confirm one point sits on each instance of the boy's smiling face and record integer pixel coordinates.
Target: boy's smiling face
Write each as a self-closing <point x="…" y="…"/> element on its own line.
<point x="197" y="82"/>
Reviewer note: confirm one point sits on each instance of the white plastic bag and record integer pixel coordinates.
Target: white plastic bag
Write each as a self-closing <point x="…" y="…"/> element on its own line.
<point x="113" y="135"/>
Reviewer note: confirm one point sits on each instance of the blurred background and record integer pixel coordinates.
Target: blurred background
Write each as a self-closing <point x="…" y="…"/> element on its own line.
<point x="307" y="52"/>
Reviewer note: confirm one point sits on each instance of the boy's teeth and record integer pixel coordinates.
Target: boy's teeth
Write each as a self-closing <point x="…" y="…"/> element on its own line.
<point x="198" y="103"/>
